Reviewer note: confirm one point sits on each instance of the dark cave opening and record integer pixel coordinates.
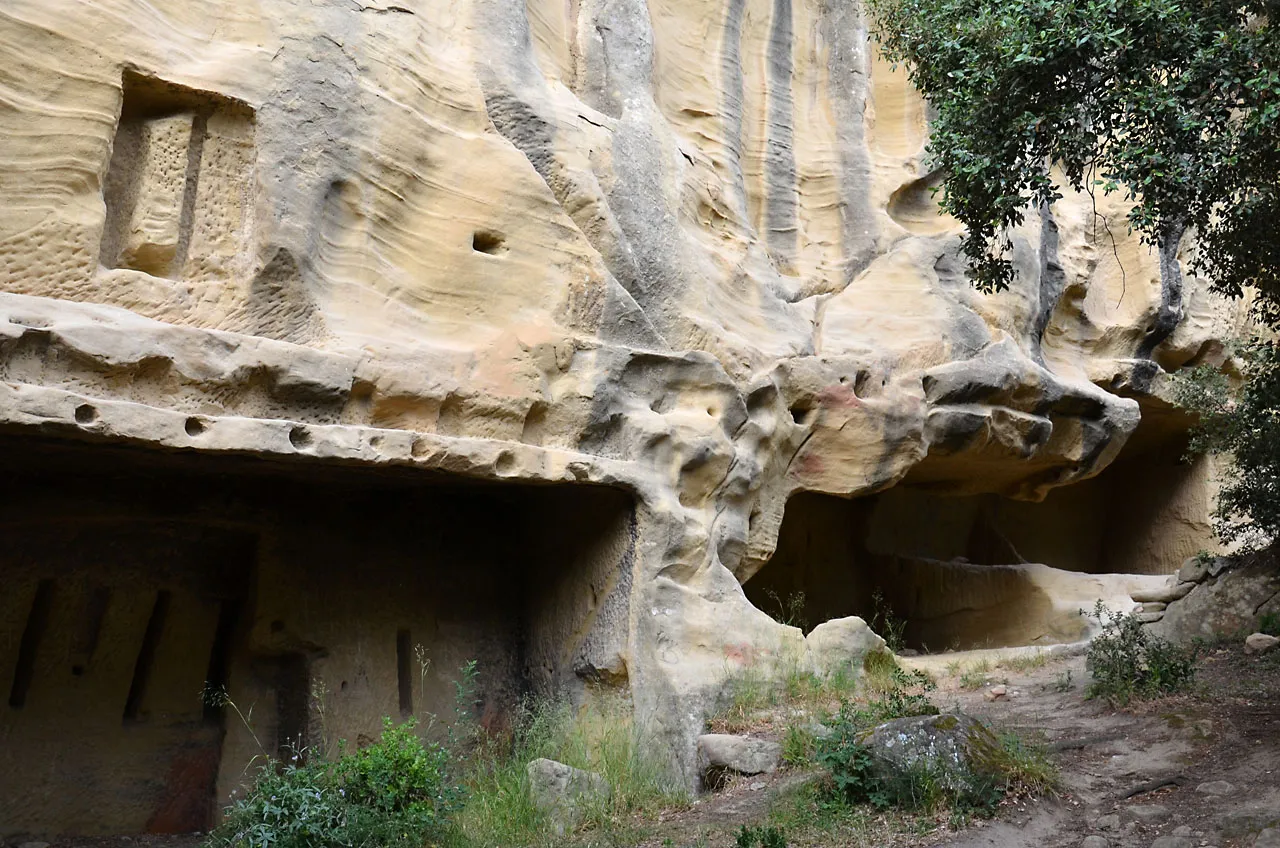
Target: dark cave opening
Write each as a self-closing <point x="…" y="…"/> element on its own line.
<point x="955" y="567"/>
<point x="318" y="598"/>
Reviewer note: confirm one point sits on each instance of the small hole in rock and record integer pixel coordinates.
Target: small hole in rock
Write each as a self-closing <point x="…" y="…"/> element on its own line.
<point x="343" y="687"/>
<point x="77" y="670"/>
<point x="299" y="437"/>
<point x="800" y="414"/>
<point x="86" y="414"/>
<point x="194" y="426"/>
<point x="277" y="626"/>
<point x="483" y="241"/>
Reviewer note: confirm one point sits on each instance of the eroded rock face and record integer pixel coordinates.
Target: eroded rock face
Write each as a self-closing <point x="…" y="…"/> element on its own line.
<point x="683" y="250"/>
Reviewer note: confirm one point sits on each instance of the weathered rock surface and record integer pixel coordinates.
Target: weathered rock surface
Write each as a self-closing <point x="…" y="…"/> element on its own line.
<point x="840" y="646"/>
<point x="955" y="749"/>
<point x="738" y="754"/>
<point x="685" y="252"/>
<point x="1260" y="643"/>
<point x="1232" y="602"/>
<point x="564" y="791"/>
<point x="1269" y="838"/>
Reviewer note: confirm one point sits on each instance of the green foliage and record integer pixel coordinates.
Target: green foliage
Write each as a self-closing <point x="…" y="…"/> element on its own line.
<point x="798" y="745"/>
<point x="397" y="793"/>
<point x="601" y="738"/>
<point x="1174" y="102"/>
<point x="1127" y="662"/>
<point x="765" y="837"/>
<point x="857" y="779"/>
<point x="790" y="610"/>
<point x="1270" y="624"/>
<point x="906" y="695"/>
<point x="886" y="624"/>
<point x="1244" y="426"/>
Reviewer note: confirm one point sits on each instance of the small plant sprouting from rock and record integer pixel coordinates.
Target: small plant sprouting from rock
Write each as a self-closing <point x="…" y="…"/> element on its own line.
<point x="1128" y="662"/>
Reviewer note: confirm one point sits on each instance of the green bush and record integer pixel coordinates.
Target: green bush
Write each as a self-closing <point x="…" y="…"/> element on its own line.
<point x="395" y="793"/>
<point x="1128" y="662"/>
<point x="1242" y="425"/>
<point x="855" y="778"/>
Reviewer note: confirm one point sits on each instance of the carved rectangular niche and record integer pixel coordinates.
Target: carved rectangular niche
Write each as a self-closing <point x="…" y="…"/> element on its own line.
<point x="178" y="190"/>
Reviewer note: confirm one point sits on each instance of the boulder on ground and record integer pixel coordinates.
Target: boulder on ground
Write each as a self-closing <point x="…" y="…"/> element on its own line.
<point x="1260" y="643"/>
<point x="955" y="750"/>
<point x="740" y="754"/>
<point x="841" y="645"/>
<point x="563" y="791"/>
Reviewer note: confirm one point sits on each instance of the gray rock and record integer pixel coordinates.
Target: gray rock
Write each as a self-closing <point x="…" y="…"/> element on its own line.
<point x="1227" y="605"/>
<point x="1194" y="570"/>
<point x="1153" y="606"/>
<point x="1094" y="841"/>
<point x="1182" y="830"/>
<point x="1216" y="787"/>
<point x="1150" y="617"/>
<point x="1260" y="643"/>
<point x="1109" y="822"/>
<point x="1148" y="813"/>
<point x="1269" y="838"/>
<point x="1164" y="594"/>
<point x="1219" y="565"/>
<point x="564" y="791"/>
<point x="1174" y="841"/>
<point x="1242" y="821"/>
<point x="740" y="754"/>
<point x="955" y="748"/>
<point x="34" y="845"/>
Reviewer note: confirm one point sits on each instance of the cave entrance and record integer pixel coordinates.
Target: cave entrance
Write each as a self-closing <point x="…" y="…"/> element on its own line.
<point x="968" y="571"/>
<point x="320" y="598"/>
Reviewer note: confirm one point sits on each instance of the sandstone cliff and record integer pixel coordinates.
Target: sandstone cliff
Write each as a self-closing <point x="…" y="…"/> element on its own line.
<point x="684" y="250"/>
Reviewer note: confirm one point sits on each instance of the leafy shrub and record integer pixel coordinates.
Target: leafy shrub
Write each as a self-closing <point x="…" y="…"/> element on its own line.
<point x="396" y="793"/>
<point x="1128" y="662"/>
<point x="1243" y="426"/>
<point x="856" y="778"/>
<point x="1270" y="624"/>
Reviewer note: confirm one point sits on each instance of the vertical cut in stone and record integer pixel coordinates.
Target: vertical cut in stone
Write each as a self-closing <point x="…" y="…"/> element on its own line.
<point x="142" y="668"/>
<point x="404" y="660"/>
<point x="29" y="647"/>
<point x="216" y="678"/>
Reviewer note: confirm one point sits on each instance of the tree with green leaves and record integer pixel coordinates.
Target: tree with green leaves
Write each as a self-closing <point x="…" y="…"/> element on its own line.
<point x="1175" y="103"/>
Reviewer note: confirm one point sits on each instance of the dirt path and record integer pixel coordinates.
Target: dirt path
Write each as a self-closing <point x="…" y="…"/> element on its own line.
<point x="1181" y="772"/>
